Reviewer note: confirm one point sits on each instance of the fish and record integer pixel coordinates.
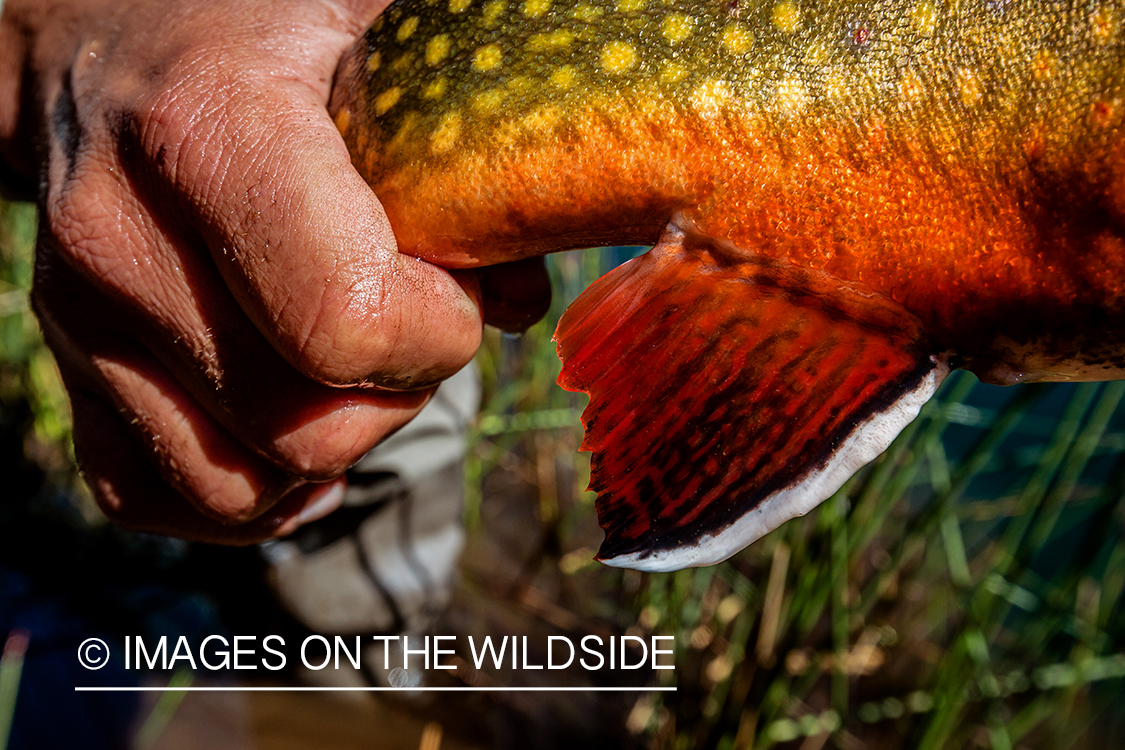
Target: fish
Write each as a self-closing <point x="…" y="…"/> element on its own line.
<point x="847" y="200"/>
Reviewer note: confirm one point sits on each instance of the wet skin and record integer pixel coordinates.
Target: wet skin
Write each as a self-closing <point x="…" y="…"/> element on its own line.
<point x="961" y="159"/>
<point x="847" y="199"/>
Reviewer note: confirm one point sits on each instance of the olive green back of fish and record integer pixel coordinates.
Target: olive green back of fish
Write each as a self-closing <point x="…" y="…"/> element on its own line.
<point x="849" y="198"/>
<point x="443" y="75"/>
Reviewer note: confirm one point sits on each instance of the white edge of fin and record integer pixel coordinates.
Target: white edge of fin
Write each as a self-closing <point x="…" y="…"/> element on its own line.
<point x="864" y="444"/>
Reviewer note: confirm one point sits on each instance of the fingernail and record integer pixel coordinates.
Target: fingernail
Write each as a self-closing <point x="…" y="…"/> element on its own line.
<point x="322" y="502"/>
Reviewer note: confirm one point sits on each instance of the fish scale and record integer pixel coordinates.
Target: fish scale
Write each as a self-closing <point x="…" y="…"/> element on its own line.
<point x="957" y="68"/>
<point x="944" y="180"/>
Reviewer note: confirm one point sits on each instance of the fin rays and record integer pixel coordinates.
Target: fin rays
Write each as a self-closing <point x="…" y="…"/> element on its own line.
<point x="719" y="385"/>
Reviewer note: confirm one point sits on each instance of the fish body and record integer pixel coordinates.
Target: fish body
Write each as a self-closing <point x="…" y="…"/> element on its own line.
<point x="847" y="198"/>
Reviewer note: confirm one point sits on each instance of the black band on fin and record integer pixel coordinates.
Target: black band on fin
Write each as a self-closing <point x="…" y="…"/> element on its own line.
<point x="727" y="396"/>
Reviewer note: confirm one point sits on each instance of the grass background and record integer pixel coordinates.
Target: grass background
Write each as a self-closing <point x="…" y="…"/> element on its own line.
<point x="965" y="590"/>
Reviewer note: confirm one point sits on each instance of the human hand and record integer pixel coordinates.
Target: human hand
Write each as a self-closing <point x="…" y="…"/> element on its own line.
<point x="211" y="269"/>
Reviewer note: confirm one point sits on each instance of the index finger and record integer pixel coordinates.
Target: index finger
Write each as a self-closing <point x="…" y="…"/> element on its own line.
<point x="298" y="236"/>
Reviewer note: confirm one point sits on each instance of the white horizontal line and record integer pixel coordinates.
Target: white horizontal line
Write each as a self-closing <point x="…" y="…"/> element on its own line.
<point x="422" y="689"/>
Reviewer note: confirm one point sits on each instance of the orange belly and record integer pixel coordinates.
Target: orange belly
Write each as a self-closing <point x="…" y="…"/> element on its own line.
<point x="958" y="169"/>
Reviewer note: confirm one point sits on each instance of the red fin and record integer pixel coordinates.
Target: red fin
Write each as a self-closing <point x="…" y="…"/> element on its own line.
<point x="727" y="395"/>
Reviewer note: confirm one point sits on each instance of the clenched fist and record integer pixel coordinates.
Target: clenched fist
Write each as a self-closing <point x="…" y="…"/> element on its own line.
<point x="222" y="290"/>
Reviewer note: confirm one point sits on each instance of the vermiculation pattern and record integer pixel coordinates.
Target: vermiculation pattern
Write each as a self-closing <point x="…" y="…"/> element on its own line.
<point x="450" y="73"/>
<point x="965" y="158"/>
<point x="955" y="167"/>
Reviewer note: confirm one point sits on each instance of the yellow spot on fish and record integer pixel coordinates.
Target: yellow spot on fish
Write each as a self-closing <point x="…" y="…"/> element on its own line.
<point x="551" y="41"/>
<point x="736" y="39"/>
<point x="787" y="17"/>
<point x="521" y="84"/>
<point x="447" y="133"/>
<point x="536" y="8"/>
<point x="628" y="6"/>
<point x="586" y="12"/>
<point x="672" y="72"/>
<point x="542" y="120"/>
<point x="488" y="102"/>
<point x="924" y="17"/>
<point x="407" y="28"/>
<point x="507" y="133"/>
<point x="1103" y="24"/>
<point x="968" y="87"/>
<point x="493" y="11"/>
<point x="1043" y="64"/>
<point x="387" y="99"/>
<point x="709" y="97"/>
<point x="343" y="119"/>
<point x="792" y="96"/>
<point x="564" y="77"/>
<point x="437" y="49"/>
<point x="435" y="89"/>
<point x="617" y="57"/>
<point x="459" y="6"/>
<point x="374" y="62"/>
<point x="402" y="62"/>
<point x="677" y="27"/>
<point x="405" y="131"/>
<point x="488" y="57"/>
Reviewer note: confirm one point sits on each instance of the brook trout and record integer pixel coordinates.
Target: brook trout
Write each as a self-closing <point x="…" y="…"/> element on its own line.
<point x="848" y="198"/>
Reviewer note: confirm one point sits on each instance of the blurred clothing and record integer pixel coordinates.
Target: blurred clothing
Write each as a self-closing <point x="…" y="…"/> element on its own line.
<point x="385" y="562"/>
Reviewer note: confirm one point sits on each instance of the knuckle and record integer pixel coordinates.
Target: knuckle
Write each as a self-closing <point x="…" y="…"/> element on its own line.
<point x="350" y="332"/>
<point x="90" y="232"/>
<point x="176" y="124"/>
<point x="78" y="220"/>
<point x="382" y="328"/>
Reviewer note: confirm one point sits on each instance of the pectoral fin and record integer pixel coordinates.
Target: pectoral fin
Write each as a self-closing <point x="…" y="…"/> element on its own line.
<point x="728" y="395"/>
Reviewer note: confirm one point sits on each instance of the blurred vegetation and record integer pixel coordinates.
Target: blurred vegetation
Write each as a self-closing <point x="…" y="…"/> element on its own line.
<point x="27" y="370"/>
<point x="965" y="590"/>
